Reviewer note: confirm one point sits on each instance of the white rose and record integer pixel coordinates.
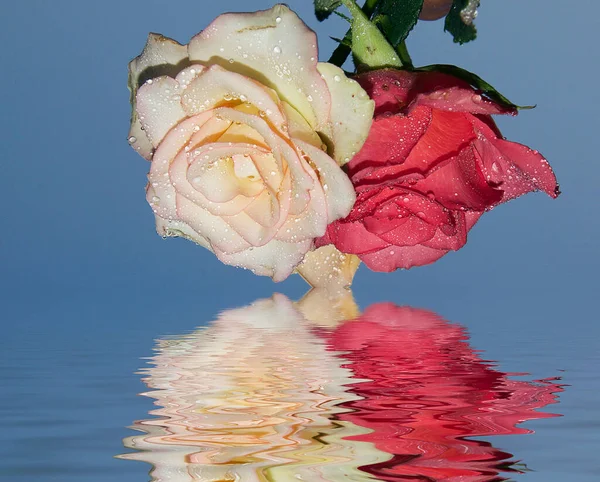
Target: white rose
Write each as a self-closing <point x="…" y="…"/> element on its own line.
<point x="246" y="132"/>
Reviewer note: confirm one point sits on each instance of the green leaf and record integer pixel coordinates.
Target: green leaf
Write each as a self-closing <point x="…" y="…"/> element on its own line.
<point x="324" y="8"/>
<point x="459" y="21"/>
<point x="474" y="81"/>
<point x="396" y="18"/>
<point x="369" y="46"/>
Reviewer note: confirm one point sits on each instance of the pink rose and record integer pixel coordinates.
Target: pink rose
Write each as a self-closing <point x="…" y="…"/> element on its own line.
<point x="433" y="163"/>
<point x="233" y="124"/>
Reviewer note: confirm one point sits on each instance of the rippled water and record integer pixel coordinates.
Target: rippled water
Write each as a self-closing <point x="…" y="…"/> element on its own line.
<point x="315" y="391"/>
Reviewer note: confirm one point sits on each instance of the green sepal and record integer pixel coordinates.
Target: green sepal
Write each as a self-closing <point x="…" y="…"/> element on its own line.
<point x="370" y="48"/>
<point x="454" y="24"/>
<point x="397" y="18"/>
<point x="474" y="81"/>
<point x="324" y="8"/>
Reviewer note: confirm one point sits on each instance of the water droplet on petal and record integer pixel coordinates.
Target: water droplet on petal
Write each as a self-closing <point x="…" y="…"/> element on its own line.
<point x="278" y="20"/>
<point x="132" y="140"/>
<point x="337" y="78"/>
<point x="277" y="49"/>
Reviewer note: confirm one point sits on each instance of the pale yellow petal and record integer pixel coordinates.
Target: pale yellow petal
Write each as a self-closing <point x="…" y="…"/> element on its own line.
<point x="351" y="113"/>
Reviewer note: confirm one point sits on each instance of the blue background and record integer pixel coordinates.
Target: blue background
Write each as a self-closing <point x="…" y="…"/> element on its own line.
<point x="86" y="285"/>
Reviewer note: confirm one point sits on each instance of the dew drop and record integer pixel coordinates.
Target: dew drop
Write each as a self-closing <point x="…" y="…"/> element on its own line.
<point x="277" y="49"/>
<point x="337" y="78"/>
<point x="278" y="20"/>
<point x="155" y="199"/>
<point x="132" y="140"/>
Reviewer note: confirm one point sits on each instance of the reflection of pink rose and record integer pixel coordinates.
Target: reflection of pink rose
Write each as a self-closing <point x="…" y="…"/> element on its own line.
<point x="426" y="391"/>
<point x="433" y="163"/>
<point x="233" y="124"/>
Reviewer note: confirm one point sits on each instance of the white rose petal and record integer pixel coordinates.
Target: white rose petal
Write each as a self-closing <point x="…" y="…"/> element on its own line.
<point x="281" y="55"/>
<point x="351" y="112"/>
<point x="238" y="133"/>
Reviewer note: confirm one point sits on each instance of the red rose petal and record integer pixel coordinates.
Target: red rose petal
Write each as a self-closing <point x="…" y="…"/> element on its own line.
<point x="394" y="257"/>
<point x="352" y="238"/>
<point x="388" y="88"/>
<point x="390" y="141"/>
<point x="447" y="135"/>
<point x="460" y="184"/>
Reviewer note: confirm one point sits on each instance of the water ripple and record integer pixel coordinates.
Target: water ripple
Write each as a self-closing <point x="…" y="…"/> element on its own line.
<point x="280" y="391"/>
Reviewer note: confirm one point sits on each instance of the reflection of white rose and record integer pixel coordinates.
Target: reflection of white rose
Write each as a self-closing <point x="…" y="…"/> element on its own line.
<point x="246" y="132"/>
<point x="253" y="397"/>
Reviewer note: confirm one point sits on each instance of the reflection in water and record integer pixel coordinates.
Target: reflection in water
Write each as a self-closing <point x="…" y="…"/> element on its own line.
<point x="270" y="393"/>
<point x="428" y="390"/>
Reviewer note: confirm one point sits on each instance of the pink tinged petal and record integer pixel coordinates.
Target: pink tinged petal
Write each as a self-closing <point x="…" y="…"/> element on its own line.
<point x="139" y="141"/>
<point x="280" y="146"/>
<point x="212" y="171"/>
<point x="159" y="108"/>
<point x="210" y="131"/>
<point x="351" y="112"/>
<point x="339" y="192"/>
<point x="276" y="259"/>
<point x="179" y="229"/>
<point x="216" y="85"/>
<point x="250" y="230"/>
<point x="163" y="199"/>
<point x="265" y="209"/>
<point x="513" y="168"/>
<point x="284" y="152"/>
<point x="389" y="143"/>
<point x="161" y="56"/>
<point x="242" y="134"/>
<point x="213" y="228"/>
<point x="312" y="221"/>
<point x="246" y="225"/>
<point x="186" y="76"/>
<point x="273" y="47"/>
<point x="179" y="175"/>
<point x="394" y="257"/>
